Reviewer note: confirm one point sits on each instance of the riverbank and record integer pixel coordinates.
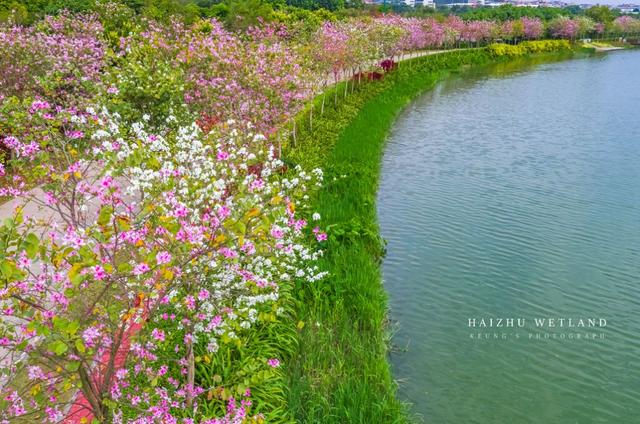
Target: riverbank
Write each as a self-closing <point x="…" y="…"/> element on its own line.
<point x="605" y="47"/>
<point x="339" y="372"/>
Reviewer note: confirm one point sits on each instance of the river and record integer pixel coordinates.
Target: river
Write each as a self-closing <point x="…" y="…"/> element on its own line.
<point x="513" y="192"/>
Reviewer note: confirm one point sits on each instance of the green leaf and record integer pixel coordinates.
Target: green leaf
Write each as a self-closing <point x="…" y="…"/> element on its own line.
<point x="74" y="271"/>
<point x="73" y="327"/>
<point x="105" y="215"/>
<point x="58" y="347"/>
<point x="73" y="366"/>
<point x="31" y="244"/>
<point x="59" y="324"/>
<point x="80" y="346"/>
<point x="8" y="268"/>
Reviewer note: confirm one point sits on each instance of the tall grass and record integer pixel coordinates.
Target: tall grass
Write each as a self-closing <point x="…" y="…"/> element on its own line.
<point x="340" y="372"/>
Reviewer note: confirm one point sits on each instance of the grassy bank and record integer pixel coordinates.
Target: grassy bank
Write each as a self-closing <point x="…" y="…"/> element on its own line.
<point x="340" y="372"/>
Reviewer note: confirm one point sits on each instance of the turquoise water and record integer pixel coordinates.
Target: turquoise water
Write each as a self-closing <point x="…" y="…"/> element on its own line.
<point x="514" y="192"/>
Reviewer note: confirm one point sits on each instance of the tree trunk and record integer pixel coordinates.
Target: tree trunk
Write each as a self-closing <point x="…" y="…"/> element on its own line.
<point x="90" y="394"/>
<point x="353" y="83"/>
<point x="191" y="373"/>
<point x="295" y="141"/>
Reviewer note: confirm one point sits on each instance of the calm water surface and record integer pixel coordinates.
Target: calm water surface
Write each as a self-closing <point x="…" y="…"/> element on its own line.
<point x="515" y="193"/>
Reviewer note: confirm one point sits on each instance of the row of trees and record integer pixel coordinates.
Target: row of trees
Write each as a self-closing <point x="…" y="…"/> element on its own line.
<point x="236" y="14"/>
<point x="241" y="14"/>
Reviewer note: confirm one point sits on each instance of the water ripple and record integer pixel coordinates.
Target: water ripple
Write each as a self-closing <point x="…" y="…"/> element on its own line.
<point x="516" y="193"/>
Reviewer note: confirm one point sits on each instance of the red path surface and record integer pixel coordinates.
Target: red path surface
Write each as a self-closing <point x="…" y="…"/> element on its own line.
<point x="80" y="411"/>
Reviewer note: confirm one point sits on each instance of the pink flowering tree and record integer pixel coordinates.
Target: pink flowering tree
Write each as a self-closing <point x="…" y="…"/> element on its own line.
<point x="626" y="25"/>
<point x="454" y="29"/>
<point x="477" y="32"/>
<point x="532" y="28"/>
<point x="246" y="239"/>
<point x="261" y="80"/>
<point x="76" y="270"/>
<point x="434" y="33"/>
<point x="59" y="59"/>
<point x="332" y="49"/>
<point x="564" y="27"/>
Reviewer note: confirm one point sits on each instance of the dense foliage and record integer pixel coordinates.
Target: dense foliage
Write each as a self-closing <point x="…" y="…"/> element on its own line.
<point x="158" y="232"/>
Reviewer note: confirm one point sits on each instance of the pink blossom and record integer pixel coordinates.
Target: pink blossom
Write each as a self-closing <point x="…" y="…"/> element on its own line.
<point x="158" y="335"/>
<point x="35" y="373"/>
<point x="276" y="232"/>
<point x="273" y="362"/>
<point x="53" y="415"/>
<point x="50" y="198"/>
<point x="74" y="167"/>
<point x="39" y="105"/>
<point x="163" y="258"/>
<point x="190" y="301"/>
<point x="141" y="268"/>
<point x="90" y="335"/>
<point x="75" y="134"/>
<point x="99" y="273"/>
<point x="163" y="370"/>
<point x="224" y="212"/>
<point x="203" y="295"/>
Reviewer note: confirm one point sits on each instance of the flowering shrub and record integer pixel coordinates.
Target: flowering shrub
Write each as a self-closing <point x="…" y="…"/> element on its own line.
<point x="193" y="231"/>
<point x="60" y="58"/>
<point x="528" y="47"/>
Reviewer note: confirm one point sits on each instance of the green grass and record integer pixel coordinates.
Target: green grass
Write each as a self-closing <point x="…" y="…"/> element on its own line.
<point x="340" y="372"/>
<point x="335" y="367"/>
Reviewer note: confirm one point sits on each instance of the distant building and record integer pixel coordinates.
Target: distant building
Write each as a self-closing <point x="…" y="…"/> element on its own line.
<point x="628" y="8"/>
<point x="394" y="2"/>
<point x="524" y="3"/>
<point x="410" y="3"/>
<point x="470" y="3"/>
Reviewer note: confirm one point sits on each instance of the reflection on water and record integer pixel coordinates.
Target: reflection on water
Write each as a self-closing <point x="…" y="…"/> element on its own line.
<point x="514" y="192"/>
